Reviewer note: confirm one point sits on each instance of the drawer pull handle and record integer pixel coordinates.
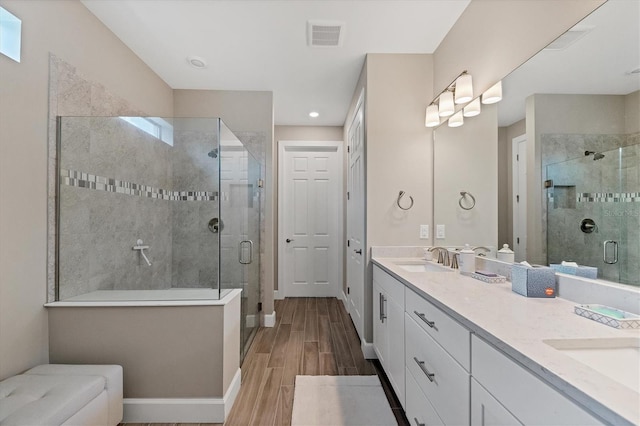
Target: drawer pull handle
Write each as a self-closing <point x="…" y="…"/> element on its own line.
<point x="430" y="376"/>
<point x="415" y="419"/>
<point x="423" y="318"/>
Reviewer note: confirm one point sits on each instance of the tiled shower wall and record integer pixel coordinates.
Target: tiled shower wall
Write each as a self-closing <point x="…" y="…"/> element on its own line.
<point x="606" y="190"/>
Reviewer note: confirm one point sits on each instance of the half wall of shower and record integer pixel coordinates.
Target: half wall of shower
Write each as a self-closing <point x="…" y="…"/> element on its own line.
<point x="157" y="208"/>
<point x="593" y="207"/>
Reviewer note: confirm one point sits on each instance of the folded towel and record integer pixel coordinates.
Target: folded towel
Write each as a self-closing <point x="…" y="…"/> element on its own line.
<point x="525" y="263"/>
<point x="574" y="264"/>
<point x="486" y="273"/>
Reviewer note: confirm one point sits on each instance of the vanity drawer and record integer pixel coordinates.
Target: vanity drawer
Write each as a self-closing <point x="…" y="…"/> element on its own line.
<point x="391" y="286"/>
<point x="441" y="378"/>
<point x="419" y="410"/>
<point x="527" y="397"/>
<point x="452" y="336"/>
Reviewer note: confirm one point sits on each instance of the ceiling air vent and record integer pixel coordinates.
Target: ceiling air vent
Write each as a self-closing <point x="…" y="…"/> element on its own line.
<point x="568" y="38"/>
<point x="325" y="33"/>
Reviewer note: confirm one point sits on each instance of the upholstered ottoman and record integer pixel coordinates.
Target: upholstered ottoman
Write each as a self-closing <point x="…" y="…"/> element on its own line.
<point x="57" y="394"/>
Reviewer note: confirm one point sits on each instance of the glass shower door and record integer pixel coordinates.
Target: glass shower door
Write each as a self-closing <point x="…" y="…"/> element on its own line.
<point x="593" y="214"/>
<point x="239" y="235"/>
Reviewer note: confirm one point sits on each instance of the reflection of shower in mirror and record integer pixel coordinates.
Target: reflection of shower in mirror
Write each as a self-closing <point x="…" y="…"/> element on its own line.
<point x="596" y="155"/>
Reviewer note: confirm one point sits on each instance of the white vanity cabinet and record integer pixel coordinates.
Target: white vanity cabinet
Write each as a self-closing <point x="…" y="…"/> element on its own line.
<point x="519" y="392"/>
<point x="388" y="328"/>
<point x="486" y="410"/>
<point x="437" y="359"/>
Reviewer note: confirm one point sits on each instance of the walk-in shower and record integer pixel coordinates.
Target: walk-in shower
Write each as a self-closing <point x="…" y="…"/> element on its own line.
<point x="157" y="209"/>
<point x="593" y="212"/>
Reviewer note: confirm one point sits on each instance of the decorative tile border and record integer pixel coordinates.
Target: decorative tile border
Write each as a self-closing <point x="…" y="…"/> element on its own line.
<point x="100" y="183"/>
<point x="609" y="197"/>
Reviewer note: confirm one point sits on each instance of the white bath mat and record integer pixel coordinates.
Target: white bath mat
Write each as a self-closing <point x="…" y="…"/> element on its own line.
<point x="340" y="400"/>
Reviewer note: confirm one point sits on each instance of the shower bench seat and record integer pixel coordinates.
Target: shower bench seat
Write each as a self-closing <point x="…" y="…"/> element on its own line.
<point x="59" y="394"/>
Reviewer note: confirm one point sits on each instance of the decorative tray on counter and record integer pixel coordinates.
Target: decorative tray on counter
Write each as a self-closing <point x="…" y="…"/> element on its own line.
<point x="488" y="279"/>
<point x="608" y="316"/>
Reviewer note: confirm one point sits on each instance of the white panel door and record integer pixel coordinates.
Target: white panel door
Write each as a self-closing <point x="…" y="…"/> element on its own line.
<point x="355" y="221"/>
<point x="519" y="153"/>
<point x="310" y="219"/>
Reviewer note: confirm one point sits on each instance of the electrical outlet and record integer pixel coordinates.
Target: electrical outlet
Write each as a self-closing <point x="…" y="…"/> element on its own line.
<point x="440" y="232"/>
<point x="424" y="232"/>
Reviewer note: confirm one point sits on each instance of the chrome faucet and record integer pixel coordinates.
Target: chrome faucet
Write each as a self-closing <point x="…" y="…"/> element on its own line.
<point x="486" y="250"/>
<point x="454" y="259"/>
<point x="443" y="255"/>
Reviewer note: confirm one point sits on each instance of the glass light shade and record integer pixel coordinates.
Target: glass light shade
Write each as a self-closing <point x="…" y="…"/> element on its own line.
<point x="493" y="94"/>
<point x="464" y="89"/>
<point x="456" y="120"/>
<point x="445" y="106"/>
<point x="472" y="109"/>
<point x="432" y="118"/>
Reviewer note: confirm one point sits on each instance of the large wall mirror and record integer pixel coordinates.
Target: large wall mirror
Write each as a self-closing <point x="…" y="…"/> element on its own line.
<point x="562" y="157"/>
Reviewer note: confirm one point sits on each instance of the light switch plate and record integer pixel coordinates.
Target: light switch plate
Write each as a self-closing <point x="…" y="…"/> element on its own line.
<point x="424" y="232"/>
<point x="440" y="232"/>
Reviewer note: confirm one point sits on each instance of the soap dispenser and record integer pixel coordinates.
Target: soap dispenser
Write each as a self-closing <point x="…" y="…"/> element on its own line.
<point x="505" y="254"/>
<point x="467" y="260"/>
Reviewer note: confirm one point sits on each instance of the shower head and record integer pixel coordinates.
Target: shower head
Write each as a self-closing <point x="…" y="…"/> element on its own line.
<point x="213" y="153"/>
<point x="596" y="155"/>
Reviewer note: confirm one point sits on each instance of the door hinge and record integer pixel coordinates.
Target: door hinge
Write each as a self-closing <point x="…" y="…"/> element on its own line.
<point x="260" y="183"/>
<point x="548" y="183"/>
<point x="348" y="195"/>
<point x="517" y="198"/>
<point x="517" y="157"/>
<point x="259" y="306"/>
<point x="518" y="240"/>
<point x="348" y="149"/>
<point x="348" y="243"/>
<point x="347" y="290"/>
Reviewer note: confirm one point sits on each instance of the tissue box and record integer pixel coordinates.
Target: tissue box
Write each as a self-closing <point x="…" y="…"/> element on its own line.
<point x="580" y="271"/>
<point x="535" y="281"/>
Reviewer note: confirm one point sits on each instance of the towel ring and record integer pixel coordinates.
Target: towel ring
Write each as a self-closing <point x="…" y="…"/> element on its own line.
<point x="400" y="195"/>
<point x="473" y="200"/>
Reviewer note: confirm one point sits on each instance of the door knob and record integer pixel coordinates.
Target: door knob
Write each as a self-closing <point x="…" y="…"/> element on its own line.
<point x="288" y="240"/>
<point x="359" y="251"/>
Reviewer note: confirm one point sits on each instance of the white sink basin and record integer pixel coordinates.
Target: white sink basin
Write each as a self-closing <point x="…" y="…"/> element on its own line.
<point x="423" y="267"/>
<point x="617" y="358"/>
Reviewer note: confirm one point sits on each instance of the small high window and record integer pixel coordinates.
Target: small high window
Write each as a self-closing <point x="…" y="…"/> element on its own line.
<point x="10" y="34"/>
<point x="155" y="126"/>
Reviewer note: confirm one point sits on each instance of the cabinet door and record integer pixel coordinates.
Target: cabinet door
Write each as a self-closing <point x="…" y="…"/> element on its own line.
<point x="380" y="343"/>
<point x="395" y="346"/>
<point x="486" y="410"/>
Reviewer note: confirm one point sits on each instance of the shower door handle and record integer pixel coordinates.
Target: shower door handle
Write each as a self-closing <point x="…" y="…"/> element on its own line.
<point x="240" y="247"/>
<point x="615" y="252"/>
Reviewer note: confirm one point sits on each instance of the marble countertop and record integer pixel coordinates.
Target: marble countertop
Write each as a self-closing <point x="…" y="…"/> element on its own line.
<point x="517" y="325"/>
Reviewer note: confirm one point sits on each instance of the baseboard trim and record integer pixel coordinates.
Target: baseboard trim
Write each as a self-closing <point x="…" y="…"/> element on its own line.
<point x="368" y="350"/>
<point x="182" y="410"/>
<point x="277" y="295"/>
<point x="343" y="297"/>
<point x="270" y="319"/>
<point x="250" y="321"/>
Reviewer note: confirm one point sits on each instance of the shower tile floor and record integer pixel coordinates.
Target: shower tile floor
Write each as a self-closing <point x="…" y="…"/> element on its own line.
<point x="312" y="336"/>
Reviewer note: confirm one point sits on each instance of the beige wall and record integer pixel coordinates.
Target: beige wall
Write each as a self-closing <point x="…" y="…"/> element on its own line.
<point x="493" y="37"/>
<point x="68" y="30"/>
<point x="632" y="112"/>
<point x="244" y="111"/>
<point x="505" y="150"/>
<point x="299" y="133"/>
<point x="466" y="159"/>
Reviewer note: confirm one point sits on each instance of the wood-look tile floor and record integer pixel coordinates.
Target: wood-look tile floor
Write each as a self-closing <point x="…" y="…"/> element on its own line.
<point x="312" y="336"/>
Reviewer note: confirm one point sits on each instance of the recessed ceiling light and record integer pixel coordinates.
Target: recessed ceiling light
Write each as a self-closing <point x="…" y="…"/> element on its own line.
<point x="197" y="62"/>
<point x="314" y="114"/>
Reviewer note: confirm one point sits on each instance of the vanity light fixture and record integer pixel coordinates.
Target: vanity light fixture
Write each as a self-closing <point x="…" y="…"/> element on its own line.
<point x="493" y="94"/>
<point x="472" y="109"/>
<point x="463" y="88"/>
<point x="432" y="118"/>
<point x="456" y="120"/>
<point x="445" y="106"/>
<point x="314" y="114"/>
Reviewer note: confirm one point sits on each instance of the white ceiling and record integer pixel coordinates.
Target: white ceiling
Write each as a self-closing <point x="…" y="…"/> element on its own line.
<point x="597" y="63"/>
<point x="261" y="45"/>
